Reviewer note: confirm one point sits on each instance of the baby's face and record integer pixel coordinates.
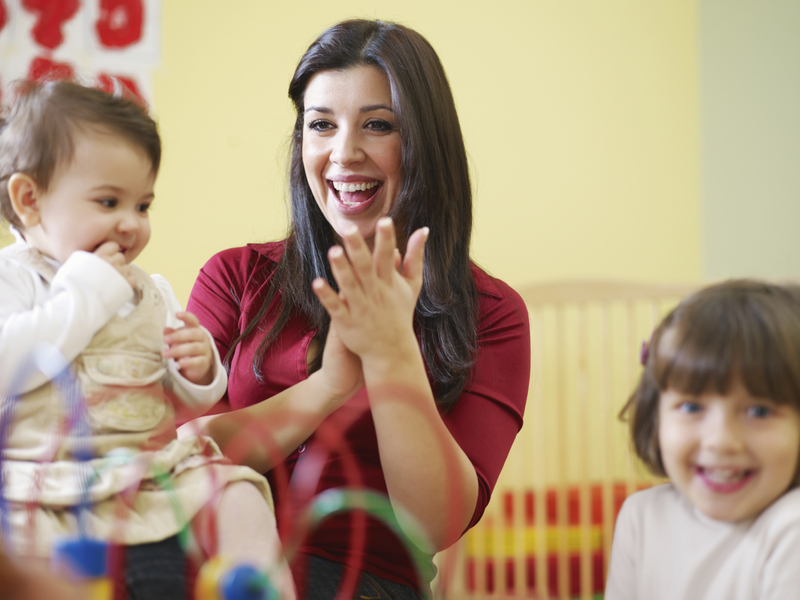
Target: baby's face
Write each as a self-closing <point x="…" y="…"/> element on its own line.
<point x="102" y="195"/>
<point x="731" y="455"/>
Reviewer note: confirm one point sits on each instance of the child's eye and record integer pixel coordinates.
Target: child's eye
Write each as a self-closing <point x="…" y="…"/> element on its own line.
<point x="690" y="407"/>
<point x="320" y="125"/>
<point x="379" y="125"/>
<point x="108" y="202"/>
<point x="759" y="411"/>
<point x="143" y="208"/>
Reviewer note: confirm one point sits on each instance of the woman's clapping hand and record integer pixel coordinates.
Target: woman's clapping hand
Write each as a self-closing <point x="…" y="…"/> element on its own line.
<point x="374" y="310"/>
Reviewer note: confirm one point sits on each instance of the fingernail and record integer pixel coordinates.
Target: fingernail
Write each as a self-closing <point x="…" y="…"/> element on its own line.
<point x="385" y="221"/>
<point x="351" y="230"/>
<point x="425" y="231"/>
<point x="336" y="252"/>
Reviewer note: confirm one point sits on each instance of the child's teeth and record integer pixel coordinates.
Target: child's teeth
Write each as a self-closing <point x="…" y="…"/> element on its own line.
<point x="724" y="475"/>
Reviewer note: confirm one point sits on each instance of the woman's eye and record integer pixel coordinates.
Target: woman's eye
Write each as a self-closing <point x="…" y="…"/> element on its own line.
<point x="759" y="411"/>
<point x="108" y="202"/>
<point x="320" y="125"/>
<point x="379" y="125"/>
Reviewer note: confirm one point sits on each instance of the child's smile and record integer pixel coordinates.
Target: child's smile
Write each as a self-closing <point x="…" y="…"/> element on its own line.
<point x="102" y="195"/>
<point x="731" y="455"/>
<point x="724" y="479"/>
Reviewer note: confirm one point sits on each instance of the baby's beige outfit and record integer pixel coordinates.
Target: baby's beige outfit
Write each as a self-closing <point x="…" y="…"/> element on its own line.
<point x="141" y="483"/>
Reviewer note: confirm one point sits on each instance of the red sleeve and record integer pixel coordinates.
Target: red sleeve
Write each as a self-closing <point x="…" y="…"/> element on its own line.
<point x="228" y="288"/>
<point x="488" y="415"/>
<point x="217" y="293"/>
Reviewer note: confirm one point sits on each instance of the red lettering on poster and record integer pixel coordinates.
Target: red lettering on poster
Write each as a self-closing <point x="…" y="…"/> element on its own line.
<point x="125" y="86"/>
<point x="52" y="15"/>
<point x="120" y="22"/>
<point x="3" y="15"/>
<point x="44" y="68"/>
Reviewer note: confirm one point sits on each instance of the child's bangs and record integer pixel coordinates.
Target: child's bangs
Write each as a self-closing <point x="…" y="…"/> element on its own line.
<point x="709" y="347"/>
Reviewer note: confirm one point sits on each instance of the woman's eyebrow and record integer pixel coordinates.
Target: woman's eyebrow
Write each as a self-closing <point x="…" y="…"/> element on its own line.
<point x="371" y="107"/>
<point x="363" y="109"/>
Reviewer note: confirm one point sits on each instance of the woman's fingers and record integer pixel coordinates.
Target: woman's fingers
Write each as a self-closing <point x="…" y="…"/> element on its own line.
<point x="329" y="299"/>
<point x="360" y="261"/>
<point x="345" y="274"/>
<point x="414" y="259"/>
<point x="384" y="252"/>
<point x="367" y="280"/>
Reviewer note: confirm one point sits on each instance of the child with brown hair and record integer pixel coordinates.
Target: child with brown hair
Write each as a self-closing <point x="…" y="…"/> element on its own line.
<point x="77" y="174"/>
<point x="717" y="411"/>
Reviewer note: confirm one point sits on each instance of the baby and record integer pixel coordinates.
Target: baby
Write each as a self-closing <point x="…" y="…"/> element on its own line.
<point x="77" y="174"/>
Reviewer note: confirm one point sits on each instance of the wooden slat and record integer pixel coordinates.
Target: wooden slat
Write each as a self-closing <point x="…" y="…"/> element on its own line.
<point x="574" y="292"/>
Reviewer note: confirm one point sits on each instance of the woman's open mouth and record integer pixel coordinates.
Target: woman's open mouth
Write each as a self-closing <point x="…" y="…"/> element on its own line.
<point x="353" y="194"/>
<point x="355" y="197"/>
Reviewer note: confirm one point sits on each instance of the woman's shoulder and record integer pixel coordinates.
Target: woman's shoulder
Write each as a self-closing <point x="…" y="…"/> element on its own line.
<point x="488" y="285"/>
<point x="269" y="250"/>
<point x="243" y="259"/>
<point x="239" y="272"/>
<point x="496" y="297"/>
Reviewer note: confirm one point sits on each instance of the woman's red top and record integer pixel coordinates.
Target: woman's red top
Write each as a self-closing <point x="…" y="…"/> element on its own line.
<point x="344" y="450"/>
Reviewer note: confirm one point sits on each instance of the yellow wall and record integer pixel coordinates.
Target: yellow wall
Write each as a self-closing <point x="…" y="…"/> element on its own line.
<point x="580" y="117"/>
<point x="581" y="121"/>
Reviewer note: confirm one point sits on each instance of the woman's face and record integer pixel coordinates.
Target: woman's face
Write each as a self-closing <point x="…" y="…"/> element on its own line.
<point x="351" y="147"/>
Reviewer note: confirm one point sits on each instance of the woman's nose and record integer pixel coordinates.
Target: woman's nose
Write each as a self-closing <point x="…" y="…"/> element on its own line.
<point x="347" y="149"/>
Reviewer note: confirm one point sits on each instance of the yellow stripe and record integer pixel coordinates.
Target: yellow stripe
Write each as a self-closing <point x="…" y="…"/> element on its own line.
<point x="552" y="534"/>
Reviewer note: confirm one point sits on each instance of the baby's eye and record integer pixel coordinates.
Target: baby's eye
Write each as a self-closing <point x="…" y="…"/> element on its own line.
<point x="690" y="407"/>
<point x="108" y="202"/>
<point x="760" y="411"/>
<point x="379" y="125"/>
<point x="143" y="208"/>
<point x="320" y="125"/>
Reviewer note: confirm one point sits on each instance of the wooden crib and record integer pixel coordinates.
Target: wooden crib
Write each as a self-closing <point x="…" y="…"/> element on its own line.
<point x="547" y="531"/>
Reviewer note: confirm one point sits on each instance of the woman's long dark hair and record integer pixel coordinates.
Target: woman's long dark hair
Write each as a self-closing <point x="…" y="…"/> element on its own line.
<point x="435" y="192"/>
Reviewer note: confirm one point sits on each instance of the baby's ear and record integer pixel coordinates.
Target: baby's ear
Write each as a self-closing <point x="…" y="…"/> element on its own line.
<point x="24" y="192"/>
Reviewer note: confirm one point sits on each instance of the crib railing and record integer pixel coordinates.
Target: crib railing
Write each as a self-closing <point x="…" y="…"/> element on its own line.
<point x="547" y="531"/>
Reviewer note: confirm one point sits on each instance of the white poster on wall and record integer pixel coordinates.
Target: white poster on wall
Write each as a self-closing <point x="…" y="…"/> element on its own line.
<point x="100" y="42"/>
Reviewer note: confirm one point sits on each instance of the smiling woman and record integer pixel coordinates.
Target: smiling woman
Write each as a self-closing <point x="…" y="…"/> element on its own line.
<point x="366" y="350"/>
<point x="351" y="147"/>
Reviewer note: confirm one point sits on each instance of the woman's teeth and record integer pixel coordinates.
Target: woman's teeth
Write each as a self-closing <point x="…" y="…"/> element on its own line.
<point x="341" y="186"/>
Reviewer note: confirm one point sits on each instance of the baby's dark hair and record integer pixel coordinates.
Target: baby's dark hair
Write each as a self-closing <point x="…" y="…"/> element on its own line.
<point x="36" y="135"/>
<point x="740" y="330"/>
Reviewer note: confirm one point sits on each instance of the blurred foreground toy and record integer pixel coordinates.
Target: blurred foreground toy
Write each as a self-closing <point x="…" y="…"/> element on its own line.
<point x="219" y="579"/>
<point x="84" y="562"/>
